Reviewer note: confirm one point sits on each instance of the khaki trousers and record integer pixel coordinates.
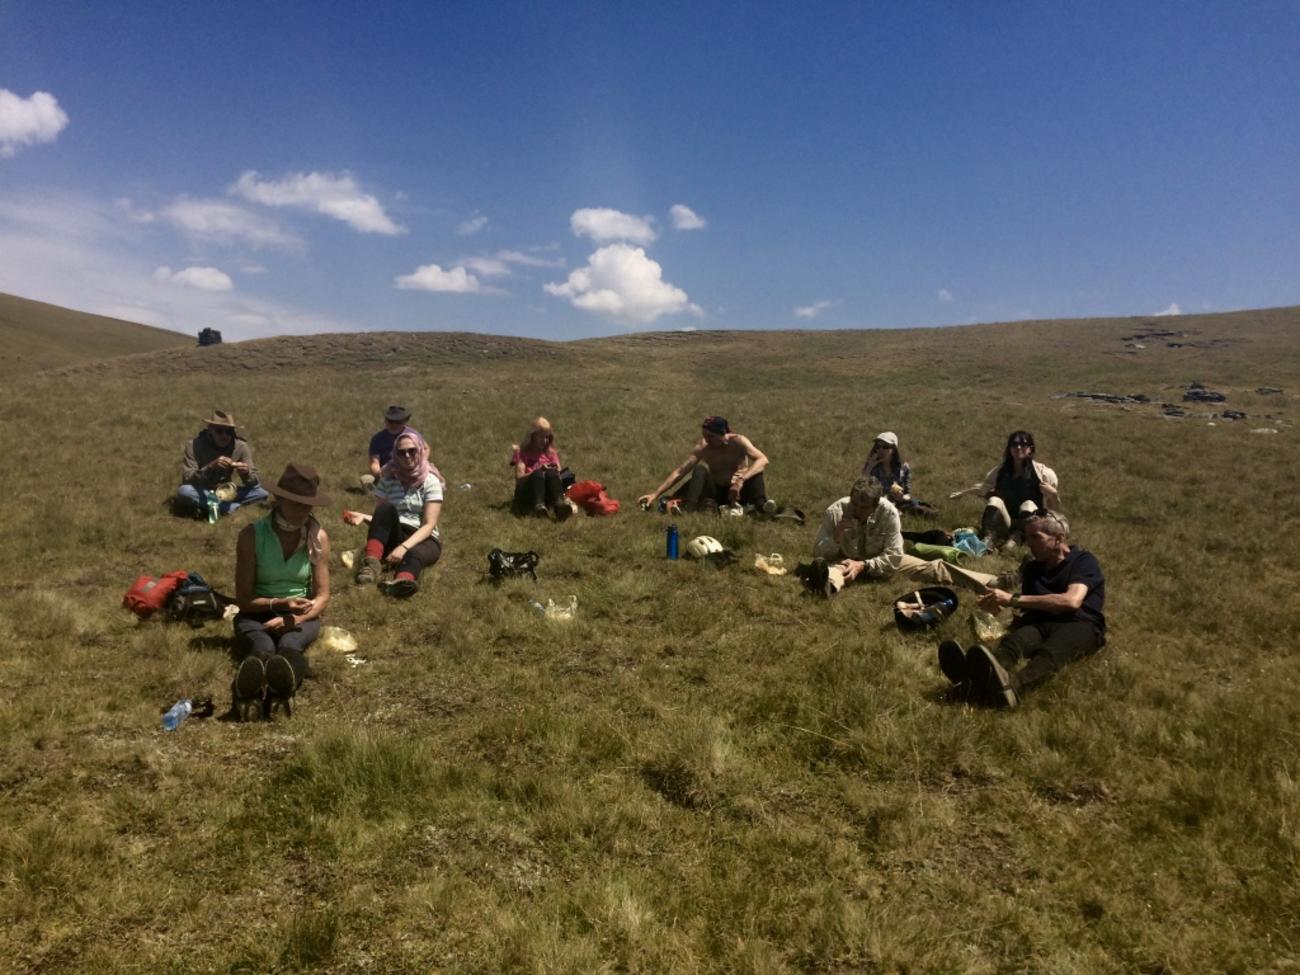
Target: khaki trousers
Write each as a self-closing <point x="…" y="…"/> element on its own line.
<point x="996" y="508"/>
<point x="938" y="573"/>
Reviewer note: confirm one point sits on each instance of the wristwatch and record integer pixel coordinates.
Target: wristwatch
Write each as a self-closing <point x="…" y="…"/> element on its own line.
<point x="1015" y="601"/>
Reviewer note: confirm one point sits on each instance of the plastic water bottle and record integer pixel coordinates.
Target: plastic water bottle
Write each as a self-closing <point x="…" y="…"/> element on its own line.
<point x="178" y="713"/>
<point x="935" y="612"/>
<point x="671" y="542"/>
<point x="562" y="612"/>
<point x="537" y="607"/>
<point x="214" y="511"/>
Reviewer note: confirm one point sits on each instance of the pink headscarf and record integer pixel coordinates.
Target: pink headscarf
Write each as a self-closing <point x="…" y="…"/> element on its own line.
<point x="410" y="479"/>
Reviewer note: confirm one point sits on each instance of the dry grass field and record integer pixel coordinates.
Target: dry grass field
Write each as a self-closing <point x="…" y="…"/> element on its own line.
<point x="706" y="771"/>
<point x="36" y="336"/>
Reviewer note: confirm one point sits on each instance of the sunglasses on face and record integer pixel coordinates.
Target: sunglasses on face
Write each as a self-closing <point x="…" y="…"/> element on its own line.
<point x="409" y="452"/>
<point x="222" y="431"/>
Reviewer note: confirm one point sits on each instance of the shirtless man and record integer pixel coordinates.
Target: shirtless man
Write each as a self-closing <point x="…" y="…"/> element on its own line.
<point x="726" y="468"/>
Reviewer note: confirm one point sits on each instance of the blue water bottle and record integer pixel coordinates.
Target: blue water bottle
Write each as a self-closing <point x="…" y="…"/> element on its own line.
<point x="178" y="713"/>
<point x="672" y="542"/>
<point x="937" y="612"/>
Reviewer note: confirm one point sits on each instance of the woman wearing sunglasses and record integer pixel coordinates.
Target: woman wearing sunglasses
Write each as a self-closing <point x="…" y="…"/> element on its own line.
<point x="403" y="533"/>
<point x="886" y="465"/>
<point x="1019" y="484"/>
<point x="282" y="585"/>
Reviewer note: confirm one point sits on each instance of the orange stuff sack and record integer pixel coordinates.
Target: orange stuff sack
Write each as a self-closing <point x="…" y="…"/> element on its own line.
<point x="148" y="595"/>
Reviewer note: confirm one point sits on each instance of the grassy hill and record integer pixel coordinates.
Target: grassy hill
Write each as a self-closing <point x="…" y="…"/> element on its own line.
<point x="36" y="336"/>
<point x="706" y="771"/>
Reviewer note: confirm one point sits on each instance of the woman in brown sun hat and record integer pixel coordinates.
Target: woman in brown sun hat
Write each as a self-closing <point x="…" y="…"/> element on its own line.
<point x="282" y="585"/>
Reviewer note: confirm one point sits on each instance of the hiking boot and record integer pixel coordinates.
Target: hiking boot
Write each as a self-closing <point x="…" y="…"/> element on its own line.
<point x="817" y="579"/>
<point x="541" y="511"/>
<point x="769" y="508"/>
<point x="565" y="510"/>
<point x="990" y="678"/>
<point x="280" y="687"/>
<point x="369" y="571"/>
<point x="400" y="588"/>
<point x="952" y="661"/>
<point x="249" y="689"/>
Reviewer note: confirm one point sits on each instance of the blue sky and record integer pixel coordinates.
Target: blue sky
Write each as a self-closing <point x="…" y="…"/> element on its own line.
<point x="569" y="170"/>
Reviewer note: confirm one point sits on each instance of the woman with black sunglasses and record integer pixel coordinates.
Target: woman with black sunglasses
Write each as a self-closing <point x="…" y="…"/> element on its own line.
<point x="1020" y="484"/>
<point x="403" y="533"/>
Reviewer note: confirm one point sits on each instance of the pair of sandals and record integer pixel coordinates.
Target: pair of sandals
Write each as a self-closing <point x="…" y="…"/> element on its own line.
<point x="262" y="687"/>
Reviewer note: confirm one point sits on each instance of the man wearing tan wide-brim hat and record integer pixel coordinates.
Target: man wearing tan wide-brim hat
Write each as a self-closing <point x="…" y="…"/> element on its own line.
<point x="217" y="463"/>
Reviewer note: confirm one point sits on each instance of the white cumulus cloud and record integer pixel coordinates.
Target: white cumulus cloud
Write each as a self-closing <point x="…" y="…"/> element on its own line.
<point x="684" y="218"/>
<point x="1173" y="309"/>
<point x="945" y="294"/>
<point x="430" y="277"/>
<point x="203" y="278"/>
<point x="472" y="226"/>
<point x="335" y="195"/>
<point x="27" y="121"/>
<point x="815" y="309"/>
<point x="225" y="223"/>
<point x="622" y="284"/>
<point x="602" y="224"/>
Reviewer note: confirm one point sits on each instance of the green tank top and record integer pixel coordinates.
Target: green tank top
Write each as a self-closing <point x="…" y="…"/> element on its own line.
<point x="276" y="578"/>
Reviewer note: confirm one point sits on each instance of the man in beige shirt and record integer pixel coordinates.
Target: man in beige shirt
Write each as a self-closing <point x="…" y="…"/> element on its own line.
<point x="862" y="537"/>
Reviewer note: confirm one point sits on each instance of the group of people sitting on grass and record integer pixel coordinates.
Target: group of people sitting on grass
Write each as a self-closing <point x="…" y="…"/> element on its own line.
<point x="282" y="578"/>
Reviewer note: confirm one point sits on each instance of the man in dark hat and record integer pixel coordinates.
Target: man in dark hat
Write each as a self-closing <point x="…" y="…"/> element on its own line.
<point x="381" y="444"/>
<point x="726" y="469"/>
<point x="218" y="463"/>
<point x="1058" y="619"/>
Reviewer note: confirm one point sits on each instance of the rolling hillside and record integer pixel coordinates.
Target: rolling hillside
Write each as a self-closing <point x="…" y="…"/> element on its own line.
<point x="36" y="336"/>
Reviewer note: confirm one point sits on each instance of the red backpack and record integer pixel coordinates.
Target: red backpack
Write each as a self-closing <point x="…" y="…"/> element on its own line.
<point x="590" y="496"/>
<point x="148" y="595"/>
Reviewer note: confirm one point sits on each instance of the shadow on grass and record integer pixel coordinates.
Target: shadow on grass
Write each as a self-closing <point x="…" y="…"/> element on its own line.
<point x="211" y="641"/>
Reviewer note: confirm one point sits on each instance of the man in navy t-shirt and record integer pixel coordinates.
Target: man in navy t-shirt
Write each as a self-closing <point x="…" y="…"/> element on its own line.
<point x="381" y="444"/>
<point x="1059" y="618"/>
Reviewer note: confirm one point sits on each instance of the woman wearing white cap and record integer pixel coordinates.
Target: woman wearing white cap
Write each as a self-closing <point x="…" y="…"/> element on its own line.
<point x="887" y="466"/>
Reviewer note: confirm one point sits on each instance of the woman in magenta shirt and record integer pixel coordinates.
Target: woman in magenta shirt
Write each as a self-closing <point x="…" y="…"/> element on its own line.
<point x="538" y="488"/>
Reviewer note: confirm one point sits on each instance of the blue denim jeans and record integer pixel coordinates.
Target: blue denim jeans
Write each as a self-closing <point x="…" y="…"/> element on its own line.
<point x="247" y="494"/>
